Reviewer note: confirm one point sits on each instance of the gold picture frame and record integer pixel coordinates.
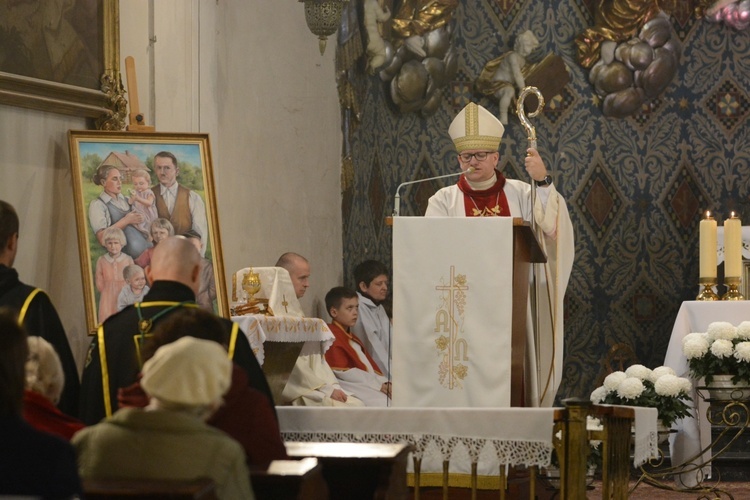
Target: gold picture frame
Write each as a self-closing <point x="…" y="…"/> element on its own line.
<point x="117" y="161"/>
<point x="65" y="59"/>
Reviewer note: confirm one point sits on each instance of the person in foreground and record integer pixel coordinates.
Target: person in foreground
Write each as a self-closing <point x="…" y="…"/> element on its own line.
<point x="44" y="384"/>
<point x="34" y="308"/>
<point x="33" y="464"/>
<point x="169" y="439"/>
<point x="115" y="351"/>
<point x="348" y="357"/>
<point x="483" y="191"/>
<point x="246" y="414"/>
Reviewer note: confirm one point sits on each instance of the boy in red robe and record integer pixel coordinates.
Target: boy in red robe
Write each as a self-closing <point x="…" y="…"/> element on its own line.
<point x="353" y="366"/>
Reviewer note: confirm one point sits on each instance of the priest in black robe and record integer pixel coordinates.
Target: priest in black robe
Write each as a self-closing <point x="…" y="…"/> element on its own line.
<point x="114" y="356"/>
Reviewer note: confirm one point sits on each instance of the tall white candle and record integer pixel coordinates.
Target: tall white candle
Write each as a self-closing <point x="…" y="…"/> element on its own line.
<point x="732" y="247"/>
<point x="708" y="247"/>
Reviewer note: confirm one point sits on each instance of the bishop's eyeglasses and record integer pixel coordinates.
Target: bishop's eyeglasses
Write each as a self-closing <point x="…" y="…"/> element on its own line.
<point x="480" y="156"/>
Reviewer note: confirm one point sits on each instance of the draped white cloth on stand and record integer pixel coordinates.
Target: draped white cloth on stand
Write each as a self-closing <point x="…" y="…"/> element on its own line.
<point x="452" y="305"/>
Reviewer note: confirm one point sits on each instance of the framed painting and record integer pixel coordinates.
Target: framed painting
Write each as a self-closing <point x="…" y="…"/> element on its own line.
<point x="63" y="56"/>
<point x="132" y="190"/>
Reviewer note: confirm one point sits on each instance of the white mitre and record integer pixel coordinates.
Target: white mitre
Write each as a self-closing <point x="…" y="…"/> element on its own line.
<point x="476" y="128"/>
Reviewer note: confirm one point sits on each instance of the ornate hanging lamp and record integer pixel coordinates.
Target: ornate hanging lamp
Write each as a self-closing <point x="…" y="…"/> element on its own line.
<point x="323" y="18"/>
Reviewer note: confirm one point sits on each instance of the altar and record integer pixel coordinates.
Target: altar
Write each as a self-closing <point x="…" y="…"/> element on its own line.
<point x="260" y="328"/>
<point x="694" y="434"/>
<point x="485" y="440"/>
<point x="486" y="436"/>
<point x="278" y="341"/>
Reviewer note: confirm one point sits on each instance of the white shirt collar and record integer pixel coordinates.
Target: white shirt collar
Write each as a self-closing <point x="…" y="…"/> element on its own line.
<point x="164" y="189"/>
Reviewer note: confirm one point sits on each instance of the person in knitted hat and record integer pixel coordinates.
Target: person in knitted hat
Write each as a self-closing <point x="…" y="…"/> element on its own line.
<point x="246" y="415"/>
<point x="483" y="191"/>
<point x="169" y="439"/>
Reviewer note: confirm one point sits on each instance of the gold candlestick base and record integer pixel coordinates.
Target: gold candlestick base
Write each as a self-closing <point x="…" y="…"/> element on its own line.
<point x="707" y="293"/>
<point x="733" y="289"/>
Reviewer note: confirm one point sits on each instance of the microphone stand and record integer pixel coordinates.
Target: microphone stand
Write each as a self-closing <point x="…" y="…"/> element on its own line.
<point x="397" y="197"/>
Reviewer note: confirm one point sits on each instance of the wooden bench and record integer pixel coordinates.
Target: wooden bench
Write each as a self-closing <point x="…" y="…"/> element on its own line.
<point x="359" y="470"/>
<point x="290" y="480"/>
<point x="150" y="489"/>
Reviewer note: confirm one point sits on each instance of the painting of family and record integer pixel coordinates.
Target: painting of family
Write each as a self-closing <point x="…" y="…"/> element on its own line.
<point x="132" y="191"/>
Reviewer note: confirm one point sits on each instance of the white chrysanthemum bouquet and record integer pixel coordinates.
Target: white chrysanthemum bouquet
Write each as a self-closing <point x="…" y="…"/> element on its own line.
<point x="659" y="388"/>
<point x="722" y="350"/>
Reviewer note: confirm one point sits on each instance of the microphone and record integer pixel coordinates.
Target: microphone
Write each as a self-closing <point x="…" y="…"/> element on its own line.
<point x="397" y="197"/>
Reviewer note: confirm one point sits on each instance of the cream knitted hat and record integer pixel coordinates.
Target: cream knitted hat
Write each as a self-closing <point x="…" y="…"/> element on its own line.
<point x="188" y="371"/>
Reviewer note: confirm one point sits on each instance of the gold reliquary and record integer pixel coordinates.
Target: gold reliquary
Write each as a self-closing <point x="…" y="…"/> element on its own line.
<point x="247" y="303"/>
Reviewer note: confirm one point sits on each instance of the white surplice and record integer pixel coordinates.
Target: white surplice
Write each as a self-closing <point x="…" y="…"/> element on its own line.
<point x="373" y="328"/>
<point x="312" y="381"/>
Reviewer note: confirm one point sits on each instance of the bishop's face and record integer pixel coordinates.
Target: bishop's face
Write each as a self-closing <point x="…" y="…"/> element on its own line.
<point x="482" y="161"/>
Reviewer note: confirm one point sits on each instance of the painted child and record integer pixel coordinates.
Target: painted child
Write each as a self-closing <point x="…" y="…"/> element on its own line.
<point x="356" y="371"/>
<point x="109" y="271"/>
<point x="142" y="199"/>
<point x="161" y="228"/>
<point x="135" y="286"/>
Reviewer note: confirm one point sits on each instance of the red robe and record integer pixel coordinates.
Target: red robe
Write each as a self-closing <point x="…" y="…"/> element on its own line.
<point x="342" y="356"/>
<point x="42" y="415"/>
<point x="486" y="203"/>
<point x="246" y="416"/>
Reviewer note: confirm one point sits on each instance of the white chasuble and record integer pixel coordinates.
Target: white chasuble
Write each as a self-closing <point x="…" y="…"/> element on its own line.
<point x="452" y="306"/>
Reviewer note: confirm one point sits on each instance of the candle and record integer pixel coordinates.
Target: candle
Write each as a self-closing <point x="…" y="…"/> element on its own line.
<point x="732" y="247"/>
<point x="708" y="247"/>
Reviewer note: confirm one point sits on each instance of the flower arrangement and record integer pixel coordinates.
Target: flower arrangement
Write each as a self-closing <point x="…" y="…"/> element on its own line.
<point x="722" y="350"/>
<point x="659" y="388"/>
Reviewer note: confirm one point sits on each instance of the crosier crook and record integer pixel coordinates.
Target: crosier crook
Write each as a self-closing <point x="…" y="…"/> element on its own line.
<point x="530" y="131"/>
<point x="531" y="137"/>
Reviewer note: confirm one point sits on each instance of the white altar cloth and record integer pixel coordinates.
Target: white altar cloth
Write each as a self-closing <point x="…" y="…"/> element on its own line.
<point x="694" y="434"/>
<point x="260" y="328"/>
<point x="646" y="445"/>
<point x="452" y="312"/>
<point x="489" y="437"/>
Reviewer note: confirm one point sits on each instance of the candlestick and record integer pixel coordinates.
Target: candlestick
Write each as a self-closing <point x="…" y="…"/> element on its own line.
<point x="707" y="293"/>
<point x="708" y="247"/>
<point x="733" y="247"/>
<point x="733" y="289"/>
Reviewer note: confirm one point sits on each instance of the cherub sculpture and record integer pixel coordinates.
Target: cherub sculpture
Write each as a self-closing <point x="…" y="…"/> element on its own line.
<point x="503" y="75"/>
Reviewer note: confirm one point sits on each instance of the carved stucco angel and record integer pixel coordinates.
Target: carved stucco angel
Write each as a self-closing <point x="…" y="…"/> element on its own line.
<point x="501" y="76"/>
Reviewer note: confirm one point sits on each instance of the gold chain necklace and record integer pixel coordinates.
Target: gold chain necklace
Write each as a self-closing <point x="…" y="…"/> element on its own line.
<point x="488" y="212"/>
